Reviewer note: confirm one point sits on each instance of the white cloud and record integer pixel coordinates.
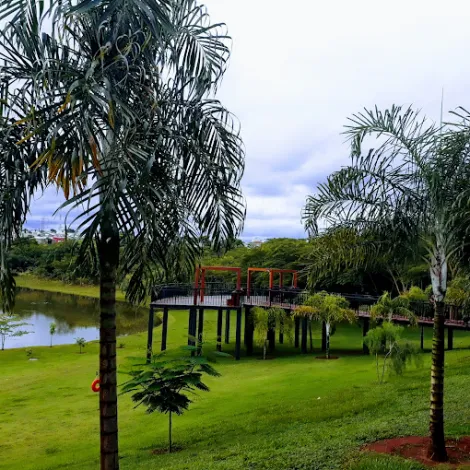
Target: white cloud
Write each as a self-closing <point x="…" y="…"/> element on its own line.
<point x="299" y="69"/>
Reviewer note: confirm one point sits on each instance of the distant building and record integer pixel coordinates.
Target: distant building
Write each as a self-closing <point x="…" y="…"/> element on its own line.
<point x="47" y="237"/>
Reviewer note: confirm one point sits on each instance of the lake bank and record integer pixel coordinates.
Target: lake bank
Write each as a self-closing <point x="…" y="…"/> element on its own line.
<point x="74" y="316"/>
<point x="74" y="309"/>
<point x="29" y="281"/>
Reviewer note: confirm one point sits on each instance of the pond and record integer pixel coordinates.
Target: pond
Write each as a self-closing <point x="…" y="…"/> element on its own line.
<point x="74" y="316"/>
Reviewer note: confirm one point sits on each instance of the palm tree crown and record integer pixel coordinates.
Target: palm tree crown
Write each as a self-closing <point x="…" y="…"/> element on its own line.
<point x="406" y="191"/>
<point x="114" y="104"/>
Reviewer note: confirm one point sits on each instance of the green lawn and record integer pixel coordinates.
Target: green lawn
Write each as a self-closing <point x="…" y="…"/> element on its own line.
<point x="293" y="412"/>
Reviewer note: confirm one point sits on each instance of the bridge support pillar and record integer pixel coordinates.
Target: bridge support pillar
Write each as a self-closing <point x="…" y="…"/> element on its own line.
<point x="249" y="332"/>
<point x="150" y="333"/>
<point x="450" y="338"/>
<point x="365" y="329"/>
<point x="296" y="331"/>
<point x="238" y="334"/>
<point x="227" y="326"/>
<point x="200" y="328"/>
<point x="192" y="324"/>
<point x="219" y="329"/>
<point x="281" y="332"/>
<point x="304" y="335"/>
<point x="271" y="339"/>
<point x="164" y="328"/>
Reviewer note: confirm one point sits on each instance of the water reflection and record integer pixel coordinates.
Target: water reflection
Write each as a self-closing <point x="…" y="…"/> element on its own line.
<point x="74" y="316"/>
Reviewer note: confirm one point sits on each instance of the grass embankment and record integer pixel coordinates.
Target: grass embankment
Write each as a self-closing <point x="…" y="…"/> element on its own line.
<point x="293" y="412"/>
<point x="30" y="281"/>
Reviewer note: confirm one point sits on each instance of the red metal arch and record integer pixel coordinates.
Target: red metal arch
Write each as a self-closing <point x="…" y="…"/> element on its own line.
<point x="272" y="272"/>
<point x="200" y="278"/>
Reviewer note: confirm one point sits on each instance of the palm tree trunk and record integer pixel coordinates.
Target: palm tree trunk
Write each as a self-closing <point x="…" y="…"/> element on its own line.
<point x="108" y="251"/>
<point x="437" y="449"/>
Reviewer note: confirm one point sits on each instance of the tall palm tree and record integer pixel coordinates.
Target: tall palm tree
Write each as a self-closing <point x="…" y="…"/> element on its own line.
<point x="405" y="190"/>
<point x="112" y="101"/>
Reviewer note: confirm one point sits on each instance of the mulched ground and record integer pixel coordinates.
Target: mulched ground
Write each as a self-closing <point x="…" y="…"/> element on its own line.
<point x="415" y="447"/>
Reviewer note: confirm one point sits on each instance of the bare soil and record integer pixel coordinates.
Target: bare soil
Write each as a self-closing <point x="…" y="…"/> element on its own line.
<point x="416" y="447"/>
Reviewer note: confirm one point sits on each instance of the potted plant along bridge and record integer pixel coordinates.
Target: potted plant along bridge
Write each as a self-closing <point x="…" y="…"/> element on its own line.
<point x="328" y="308"/>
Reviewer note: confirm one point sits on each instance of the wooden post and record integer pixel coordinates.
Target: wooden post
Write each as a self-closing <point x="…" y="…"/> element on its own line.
<point x="450" y="338"/>
<point x="323" y="336"/>
<point x="150" y="333"/>
<point x="249" y="329"/>
<point x="219" y="329"/>
<point x="238" y="334"/>
<point x="296" y="331"/>
<point x="164" y="328"/>
<point x="422" y="337"/>
<point x="227" y="326"/>
<point x="365" y="329"/>
<point x="304" y="335"/>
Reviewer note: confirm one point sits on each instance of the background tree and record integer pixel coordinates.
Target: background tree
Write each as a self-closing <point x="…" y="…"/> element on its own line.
<point x="10" y="327"/>
<point x="164" y="384"/>
<point x="52" y="330"/>
<point x="328" y="308"/>
<point x="405" y="191"/>
<point x="348" y="260"/>
<point x="113" y="102"/>
<point x="81" y="343"/>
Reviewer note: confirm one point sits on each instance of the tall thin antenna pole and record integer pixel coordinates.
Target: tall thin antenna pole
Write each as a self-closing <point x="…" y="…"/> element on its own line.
<point x="442" y="108"/>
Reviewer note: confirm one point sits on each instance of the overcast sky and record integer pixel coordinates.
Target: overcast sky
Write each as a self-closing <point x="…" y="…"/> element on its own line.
<point x="300" y="68"/>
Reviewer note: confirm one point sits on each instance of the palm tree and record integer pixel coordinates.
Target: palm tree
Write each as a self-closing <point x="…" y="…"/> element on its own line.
<point x="112" y="101"/>
<point x="386" y="307"/>
<point x="328" y="308"/>
<point x="404" y="190"/>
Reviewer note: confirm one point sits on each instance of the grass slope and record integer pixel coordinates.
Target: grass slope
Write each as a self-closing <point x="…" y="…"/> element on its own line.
<point x="293" y="412"/>
<point x="30" y="281"/>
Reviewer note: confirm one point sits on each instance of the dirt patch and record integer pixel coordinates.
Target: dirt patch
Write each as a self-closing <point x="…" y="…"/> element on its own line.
<point x="327" y="358"/>
<point x="416" y="447"/>
<point x="165" y="450"/>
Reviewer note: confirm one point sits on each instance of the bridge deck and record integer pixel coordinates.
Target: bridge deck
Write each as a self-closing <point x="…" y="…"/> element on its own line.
<point x="222" y="301"/>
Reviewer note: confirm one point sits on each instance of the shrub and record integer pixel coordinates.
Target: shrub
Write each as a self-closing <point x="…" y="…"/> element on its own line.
<point x="386" y="344"/>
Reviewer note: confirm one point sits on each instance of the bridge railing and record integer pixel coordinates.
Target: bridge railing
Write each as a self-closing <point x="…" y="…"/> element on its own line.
<point x="222" y="294"/>
<point x="213" y="294"/>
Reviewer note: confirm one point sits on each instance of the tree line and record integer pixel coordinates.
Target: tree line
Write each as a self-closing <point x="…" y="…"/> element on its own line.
<point x="320" y="261"/>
